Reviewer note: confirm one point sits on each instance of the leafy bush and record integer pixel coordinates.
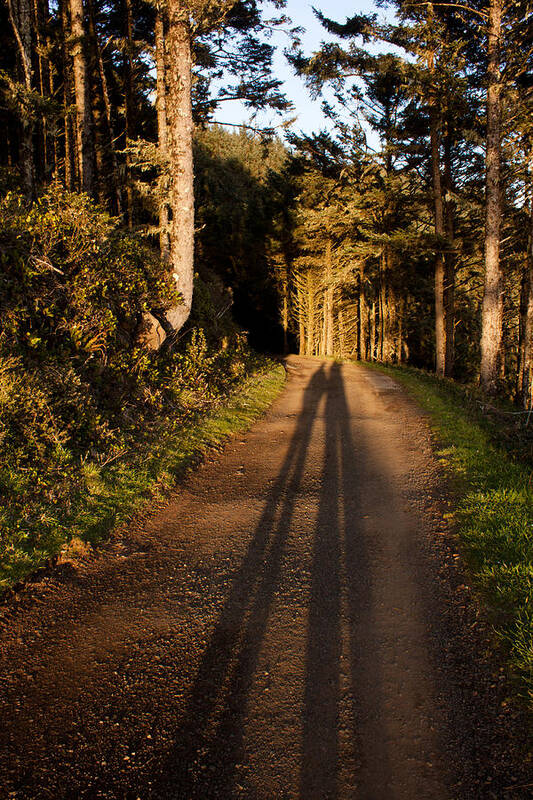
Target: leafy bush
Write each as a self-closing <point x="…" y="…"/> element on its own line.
<point x="79" y="395"/>
<point x="72" y="282"/>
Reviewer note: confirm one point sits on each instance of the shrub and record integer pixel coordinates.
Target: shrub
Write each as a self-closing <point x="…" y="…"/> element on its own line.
<point x="80" y="398"/>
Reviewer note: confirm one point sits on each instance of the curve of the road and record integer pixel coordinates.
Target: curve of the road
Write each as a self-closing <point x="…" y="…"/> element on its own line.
<point x="292" y="625"/>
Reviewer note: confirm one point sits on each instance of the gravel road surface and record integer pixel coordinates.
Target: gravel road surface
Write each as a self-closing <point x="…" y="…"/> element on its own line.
<point x="293" y="624"/>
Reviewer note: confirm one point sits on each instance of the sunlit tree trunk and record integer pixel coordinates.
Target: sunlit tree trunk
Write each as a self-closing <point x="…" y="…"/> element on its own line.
<point x="310" y="314"/>
<point x="399" y="352"/>
<point x="162" y="132"/>
<point x="129" y="102"/>
<point x="391" y="324"/>
<point x="45" y="156"/>
<point x="492" y="308"/>
<point x="438" y="207"/>
<point x="362" y="318"/>
<point x="100" y="188"/>
<point x="525" y="368"/>
<point x="373" y="332"/>
<point x="328" y="312"/>
<point x="70" y="166"/>
<point x="449" y="258"/>
<point x="285" y="309"/>
<point x="324" y="335"/>
<point x="523" y="314"/>
<point x="341" y="333"/>
<point x="301" y="325"/>
<point x="84" y="132"/>
<point x="382" y="323"/>
<point x="180" y="130"/>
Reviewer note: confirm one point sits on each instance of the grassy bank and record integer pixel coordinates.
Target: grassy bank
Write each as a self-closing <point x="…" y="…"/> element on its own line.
<point x="494" y="510"/>
<point x="108" y="493"/>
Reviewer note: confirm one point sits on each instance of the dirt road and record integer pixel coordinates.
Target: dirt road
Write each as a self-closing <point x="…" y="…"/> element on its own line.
<point x="292" y="625"/>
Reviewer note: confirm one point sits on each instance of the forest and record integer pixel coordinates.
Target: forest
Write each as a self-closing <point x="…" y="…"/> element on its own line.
<point x="149" y="251"/>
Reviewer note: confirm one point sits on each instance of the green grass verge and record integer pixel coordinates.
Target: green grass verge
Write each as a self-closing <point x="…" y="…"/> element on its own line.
<point x="494" y="512"/>
<point x="115" y="492"/>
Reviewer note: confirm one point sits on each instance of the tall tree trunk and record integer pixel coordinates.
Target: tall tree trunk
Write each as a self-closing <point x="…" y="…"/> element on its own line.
<point x="69" y="163"/>
<point x="362" y="318"/>
<point x="492" y="308"/>
<point x="104" y="89"/>
<point x="523" y="314"/>
<point x="449" y="258"/>
<point x="310" y="315"/>
<point x="328" y="344"/>
<point x="438" y="207"/>
<point x="162" y="133"/>
<point x="391" y="323"/>
<point x="53" y="137"/>
<point x="43" y="83"/>
<point x="382" y="306"/>
<point x="85" y="150"/>
<point x="373" y="345"/>
<point x="20" y="18"/>
<point x="438" y="212"/>
<point x="301" y="325"/>
<point x="180" y="130"/>
<point x="129" y="101"/>
<point x="285" y="309"/>
<point x="526" y="350"/>
<point x="399" y="352"/>
<point x="323" y="338"/>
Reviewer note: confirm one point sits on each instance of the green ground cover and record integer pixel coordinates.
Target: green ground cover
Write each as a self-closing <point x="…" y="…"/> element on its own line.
<point x="104" y="494"/>
<point x="494" y="510"/>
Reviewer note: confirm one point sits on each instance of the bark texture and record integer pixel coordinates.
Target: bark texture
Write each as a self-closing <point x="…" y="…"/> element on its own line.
<point x="492" y="309"/>
<point x="180" y="130"/>
<point x="129" y="103"/>
<point x="69" y="169"/>
<point x="440" y="326"/>
<point x="162" y="131"/>
<point x="525" y="370"/>
<point x="328" y="315"/>
<point x="450" y="256"/>
<point x="310" y="314"/>
<point x="81" y="88"/>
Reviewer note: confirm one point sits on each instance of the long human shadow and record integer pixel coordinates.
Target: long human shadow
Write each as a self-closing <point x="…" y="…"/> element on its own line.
<point x="365" y="651"/>
<point x="209" y="736"/>
<point x="340" y="568"/>
<point x="319" y="773"/>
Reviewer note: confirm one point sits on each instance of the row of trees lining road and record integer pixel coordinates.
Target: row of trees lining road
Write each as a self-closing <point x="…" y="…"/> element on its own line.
<point x="79" y="78"/>
<point x="416" y="248"/>
<point x="451" y="104"/>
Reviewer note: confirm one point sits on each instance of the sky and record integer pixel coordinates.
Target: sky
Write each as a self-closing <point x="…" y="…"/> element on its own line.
<point x="307" y="111"/>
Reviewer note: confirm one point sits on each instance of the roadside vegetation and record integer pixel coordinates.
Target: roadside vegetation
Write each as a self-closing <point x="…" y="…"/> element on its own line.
<point x="64" y="480"/>
<point x="91" y="420"/>
<point x="488" y="453"/>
